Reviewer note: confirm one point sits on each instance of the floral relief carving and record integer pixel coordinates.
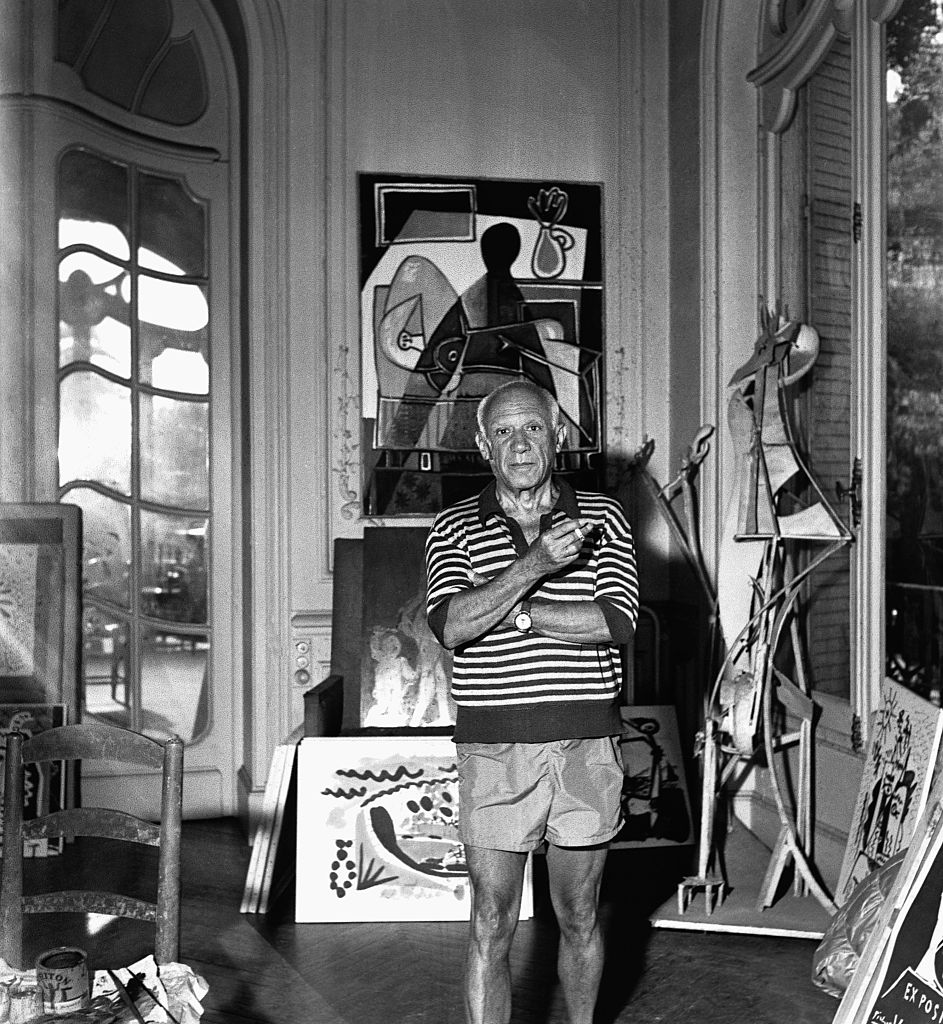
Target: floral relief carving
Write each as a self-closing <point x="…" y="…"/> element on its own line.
<point x="346" y="466"/>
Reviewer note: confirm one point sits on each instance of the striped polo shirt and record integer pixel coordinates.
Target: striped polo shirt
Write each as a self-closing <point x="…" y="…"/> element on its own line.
<point x="520" y="687"/>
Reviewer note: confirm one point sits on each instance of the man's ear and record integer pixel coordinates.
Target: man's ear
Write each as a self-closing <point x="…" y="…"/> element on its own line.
<point x="561" y="436"/>
<point x="484" y="446"/>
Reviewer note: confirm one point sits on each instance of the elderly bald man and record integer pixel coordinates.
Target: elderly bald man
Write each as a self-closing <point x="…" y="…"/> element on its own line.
<point x="534" y="587"/>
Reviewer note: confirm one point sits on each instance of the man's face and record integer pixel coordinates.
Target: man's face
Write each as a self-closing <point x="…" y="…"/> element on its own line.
<point x="519" y="440"/>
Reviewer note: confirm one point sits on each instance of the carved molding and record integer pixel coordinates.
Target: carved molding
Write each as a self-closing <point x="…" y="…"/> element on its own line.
<point x="793" y="43"/>
<point x="791" y="52"/>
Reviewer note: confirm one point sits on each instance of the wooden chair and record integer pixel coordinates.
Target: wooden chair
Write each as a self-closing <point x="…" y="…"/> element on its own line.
<point x="83" y="743"/>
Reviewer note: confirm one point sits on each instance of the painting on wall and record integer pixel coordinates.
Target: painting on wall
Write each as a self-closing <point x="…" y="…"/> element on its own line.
<point x="379" y="836"/>
<point x="905" y="740"/>
<point x="44" y="785"/>
<point x="655" y="804"/>
<point x="406" y="675"/>
<point x="467" y="283"/>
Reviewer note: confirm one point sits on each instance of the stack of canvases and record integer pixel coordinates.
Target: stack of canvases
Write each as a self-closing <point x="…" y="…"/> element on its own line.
<point x="882" y="950"/>
<point x="379" y="834"/>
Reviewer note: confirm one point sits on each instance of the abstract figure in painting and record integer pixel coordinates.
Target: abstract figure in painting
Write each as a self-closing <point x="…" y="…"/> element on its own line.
<point x="392" y="675"/>
<point x="380" y="836"/>
<point x="655" y="803"/>
<point x="404" y="672"/>
<point x="432" y="662"/>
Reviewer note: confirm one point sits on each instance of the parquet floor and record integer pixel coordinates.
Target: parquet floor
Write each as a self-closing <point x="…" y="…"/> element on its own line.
<point x="272" y="971"/>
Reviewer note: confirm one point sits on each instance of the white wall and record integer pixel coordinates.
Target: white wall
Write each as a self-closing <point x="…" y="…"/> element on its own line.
<point x="532" y="89"/>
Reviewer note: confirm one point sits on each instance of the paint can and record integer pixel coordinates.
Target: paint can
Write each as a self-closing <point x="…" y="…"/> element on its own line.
<point x="62" y="979"/>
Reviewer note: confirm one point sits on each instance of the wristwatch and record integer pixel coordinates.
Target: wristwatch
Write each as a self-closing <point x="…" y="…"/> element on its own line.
<point x="522" y="621"/>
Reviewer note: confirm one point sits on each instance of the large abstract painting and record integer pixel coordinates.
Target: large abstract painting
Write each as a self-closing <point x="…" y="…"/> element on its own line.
<point x="655" y="806"/>
<point x="466" y="284"/>
<point x="44" y="785"/>
<point x="378" y="831"/>
<point x="905" y="740"/>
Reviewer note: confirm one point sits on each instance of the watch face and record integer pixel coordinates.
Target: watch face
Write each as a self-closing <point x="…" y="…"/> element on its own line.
<point x="522" y="621"/>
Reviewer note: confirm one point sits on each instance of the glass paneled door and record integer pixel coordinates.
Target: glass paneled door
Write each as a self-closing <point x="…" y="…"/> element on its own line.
<point x="134" y="437"/>
<point x="914" y="545"/>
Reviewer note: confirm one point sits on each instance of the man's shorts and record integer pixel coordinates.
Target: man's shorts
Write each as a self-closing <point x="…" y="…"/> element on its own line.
<point x="512" y="796"/>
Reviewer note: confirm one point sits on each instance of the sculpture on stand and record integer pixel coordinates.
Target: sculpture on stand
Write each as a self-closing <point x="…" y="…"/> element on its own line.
<point x="760" y="574"/>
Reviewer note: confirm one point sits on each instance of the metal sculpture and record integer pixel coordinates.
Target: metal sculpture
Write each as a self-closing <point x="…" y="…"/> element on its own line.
<point x="754" y="604"/>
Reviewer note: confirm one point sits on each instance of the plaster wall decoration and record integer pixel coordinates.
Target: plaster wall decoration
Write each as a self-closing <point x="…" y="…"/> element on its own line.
<point x="346" y="466"/>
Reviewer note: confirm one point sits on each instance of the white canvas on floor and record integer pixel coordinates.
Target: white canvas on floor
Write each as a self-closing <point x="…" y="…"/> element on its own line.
<point x="378" y="831"/>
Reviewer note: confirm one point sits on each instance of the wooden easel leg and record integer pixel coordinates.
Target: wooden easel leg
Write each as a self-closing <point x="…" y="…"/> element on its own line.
<point x="778" y="860"/>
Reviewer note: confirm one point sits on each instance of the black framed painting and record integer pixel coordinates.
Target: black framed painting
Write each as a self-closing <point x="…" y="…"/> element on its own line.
<point x="467" y="283"/>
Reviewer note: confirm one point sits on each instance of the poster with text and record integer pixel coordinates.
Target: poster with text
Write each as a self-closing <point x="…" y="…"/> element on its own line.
<point x="906" y="985"/>
<point x="902" y="750"/>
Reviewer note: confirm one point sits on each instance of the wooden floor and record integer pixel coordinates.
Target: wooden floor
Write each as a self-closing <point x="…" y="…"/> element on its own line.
<point x="268" y="969"/>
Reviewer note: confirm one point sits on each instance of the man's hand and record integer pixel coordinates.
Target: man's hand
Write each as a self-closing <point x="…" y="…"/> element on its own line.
<point x="558" y="547"/>
<point x="495" y="601"/>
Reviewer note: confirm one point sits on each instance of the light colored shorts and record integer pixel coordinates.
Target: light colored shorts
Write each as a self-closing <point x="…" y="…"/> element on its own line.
<point x="512" y="796"/>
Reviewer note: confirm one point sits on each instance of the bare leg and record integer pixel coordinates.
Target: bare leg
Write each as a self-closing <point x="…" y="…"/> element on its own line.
<point x="497" y="878"/>
<point x="575" y="874"/>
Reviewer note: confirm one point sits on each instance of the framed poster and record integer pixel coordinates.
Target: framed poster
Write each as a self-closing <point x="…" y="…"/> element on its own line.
<point x="655" y="803"/>
<point x="905" y="740"/>
<point x="899" y="977"/>
<point x="44" y="785"/>
<point x="378" y="831"/>
<point x="467" y="283"/>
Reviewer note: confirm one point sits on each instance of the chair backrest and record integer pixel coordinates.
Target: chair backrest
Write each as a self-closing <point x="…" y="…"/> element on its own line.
<point x="84" y="743"/>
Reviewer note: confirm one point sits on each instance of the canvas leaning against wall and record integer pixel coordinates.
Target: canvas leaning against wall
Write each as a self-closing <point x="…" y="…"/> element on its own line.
<point x="656" y="809"/>
<point x="44" y="784"/>
<point x="406" y="674"/>
<point x="899" y="976"/>
<point x="902" y="751"/>
<point x="378" y="831"/>
<point x="467" y="283"/>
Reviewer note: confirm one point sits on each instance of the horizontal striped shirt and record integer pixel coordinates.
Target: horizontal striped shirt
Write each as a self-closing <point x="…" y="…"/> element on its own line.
<point x="521" y="687"/>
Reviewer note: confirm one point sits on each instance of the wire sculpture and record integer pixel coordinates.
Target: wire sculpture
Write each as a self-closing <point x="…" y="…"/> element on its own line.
<point x="771" y="544"/>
